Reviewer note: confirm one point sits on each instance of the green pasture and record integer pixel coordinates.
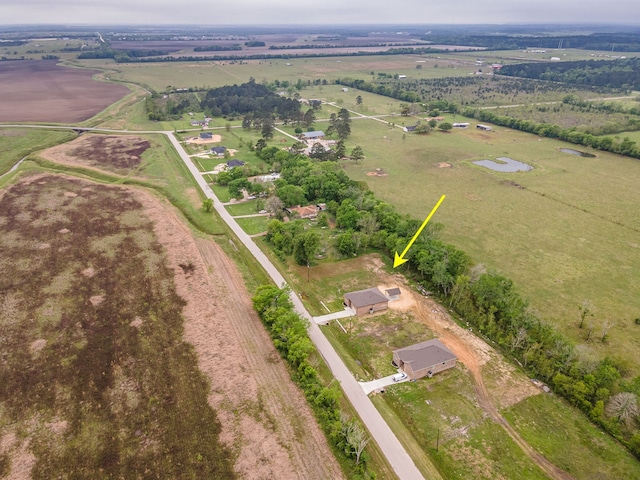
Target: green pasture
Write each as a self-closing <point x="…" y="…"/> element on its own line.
<point x="571" y="442"/>
<point x="565" y="232"/>
<point x="17" y="143"/>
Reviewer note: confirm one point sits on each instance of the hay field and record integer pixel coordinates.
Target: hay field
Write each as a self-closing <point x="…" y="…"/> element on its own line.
<point x="565" y="232"/>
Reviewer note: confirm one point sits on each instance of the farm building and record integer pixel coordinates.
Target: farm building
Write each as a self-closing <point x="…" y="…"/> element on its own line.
<point x="366" y="301"/>
<point x="316" y="135"/>
<point x="410" y="128"/>
<point x="424" y="359"/>
<point x="486" y="128"/>
<point x="461" y="125"/>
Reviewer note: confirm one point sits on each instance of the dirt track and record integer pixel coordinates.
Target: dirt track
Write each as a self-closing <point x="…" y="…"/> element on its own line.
<point x="474" y="353"/>
<point x="265" y="418"/>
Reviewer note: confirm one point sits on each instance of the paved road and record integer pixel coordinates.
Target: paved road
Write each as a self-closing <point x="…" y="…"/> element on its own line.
<point x="324" y="319"/>
<point x="396" y="455"/>
<point x="391" y="447"/>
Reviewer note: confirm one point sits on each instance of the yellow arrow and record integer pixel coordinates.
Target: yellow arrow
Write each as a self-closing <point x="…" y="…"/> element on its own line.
<point x="399" y="259"/>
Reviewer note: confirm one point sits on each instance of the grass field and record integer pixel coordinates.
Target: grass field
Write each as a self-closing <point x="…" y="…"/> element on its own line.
<point x="16" y="144"/>
<point x="564" y="232"/>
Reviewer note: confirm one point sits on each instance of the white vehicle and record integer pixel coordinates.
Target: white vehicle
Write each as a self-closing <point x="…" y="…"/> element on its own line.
<point x="399" y="376"/>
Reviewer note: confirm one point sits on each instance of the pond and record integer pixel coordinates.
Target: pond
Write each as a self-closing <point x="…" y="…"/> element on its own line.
<point x="504" y="164"/>
<point x="571" y="151"/>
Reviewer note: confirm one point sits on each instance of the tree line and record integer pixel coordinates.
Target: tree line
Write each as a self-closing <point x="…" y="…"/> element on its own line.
<point x="622" y="73"/>
<point x="289" y="333"/>
<point x="625" y="146"/>
<point x="620" y="42"/>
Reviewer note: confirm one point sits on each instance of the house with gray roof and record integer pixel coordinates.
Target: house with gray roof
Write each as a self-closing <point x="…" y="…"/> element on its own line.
<point x="366" y="301"/>
<point x="424" y="359"/>
<point x="315" y="135"/>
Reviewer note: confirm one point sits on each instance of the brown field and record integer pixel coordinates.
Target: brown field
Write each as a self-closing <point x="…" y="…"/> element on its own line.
<point x="41" y="91"/>
<point x="266" y="428"/>
<point x="113" y="153"/>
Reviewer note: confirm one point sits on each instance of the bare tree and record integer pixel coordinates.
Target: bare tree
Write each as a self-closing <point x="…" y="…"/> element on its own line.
<point x="356" y="438"/>
<point x="519" y="339"/>
<point x="606" y="326"/>
<point x="623" y="406"/>
<point x="274" y="205"/>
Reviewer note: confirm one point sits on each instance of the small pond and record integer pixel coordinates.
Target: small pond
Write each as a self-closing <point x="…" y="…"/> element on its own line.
<point x="504" y="164"/>
<point x="571" y="151"/>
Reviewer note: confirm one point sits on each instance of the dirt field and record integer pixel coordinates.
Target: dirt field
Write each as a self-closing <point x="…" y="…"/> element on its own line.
<point x="41" y="91"/>
<point x="265" y="419"/>
<point x="112" y="153"/>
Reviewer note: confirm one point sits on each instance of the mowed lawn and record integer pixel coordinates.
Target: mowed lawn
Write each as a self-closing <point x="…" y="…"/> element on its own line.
<point x="565" y="232"/>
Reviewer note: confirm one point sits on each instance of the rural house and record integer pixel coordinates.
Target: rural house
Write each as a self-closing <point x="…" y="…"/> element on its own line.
<point x="235" y="163"/>
<point x="219" y="151"/>
<point x="424" y="359"/>
<point x="309" y="211"/>
<point x="206" y="136"/>
<point x="366" y="301"/>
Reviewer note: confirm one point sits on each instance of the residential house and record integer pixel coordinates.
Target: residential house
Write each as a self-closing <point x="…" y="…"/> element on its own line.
<point x="310" y="211"/>
<point x="366" y="301"/>
<point x="235" y="163"/>
<point x="219" y="151"/>
<point x="424" y="359"/>
<point x="206" y="136"/>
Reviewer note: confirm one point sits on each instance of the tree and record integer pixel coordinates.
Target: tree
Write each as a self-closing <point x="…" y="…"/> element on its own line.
<point x="207" y="205"/>
<point x="359" y="100"/>
<point x="274" y="205"/>
<point x="309" y="118"/>
<point x="623" y="407"/>
<point x="340" y="150"/>
<point x="305" y="246"/>
<point x="291" y="195"/>
<point x="357" y="154"/>
<point x="445" y="127"/>
<point x="319" y="152"/>
<point x="585" y="311"/>
<point x="260" y="144"/>
<point x="267" y="128"/>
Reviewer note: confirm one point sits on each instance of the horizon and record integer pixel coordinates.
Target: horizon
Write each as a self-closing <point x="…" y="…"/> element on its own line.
<point x="331" y="12"/>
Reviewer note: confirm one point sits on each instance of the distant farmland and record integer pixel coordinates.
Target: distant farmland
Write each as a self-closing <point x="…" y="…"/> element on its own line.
<point x="41" y="91"/>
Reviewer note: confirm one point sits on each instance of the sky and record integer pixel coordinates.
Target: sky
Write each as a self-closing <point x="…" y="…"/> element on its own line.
<point x="323" y="12"/>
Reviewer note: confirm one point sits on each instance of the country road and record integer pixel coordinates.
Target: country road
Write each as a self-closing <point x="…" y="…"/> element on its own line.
<point x="391" y="447"/>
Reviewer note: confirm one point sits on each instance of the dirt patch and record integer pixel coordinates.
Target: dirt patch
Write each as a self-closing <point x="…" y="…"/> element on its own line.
<point x="444" y="165"/>
<point x="203" y="141"/>
<point x="265" y="418"/>
<point x="41" y="91"/>
<point x="378" y="172"/>
<point x="117" y="153"/>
